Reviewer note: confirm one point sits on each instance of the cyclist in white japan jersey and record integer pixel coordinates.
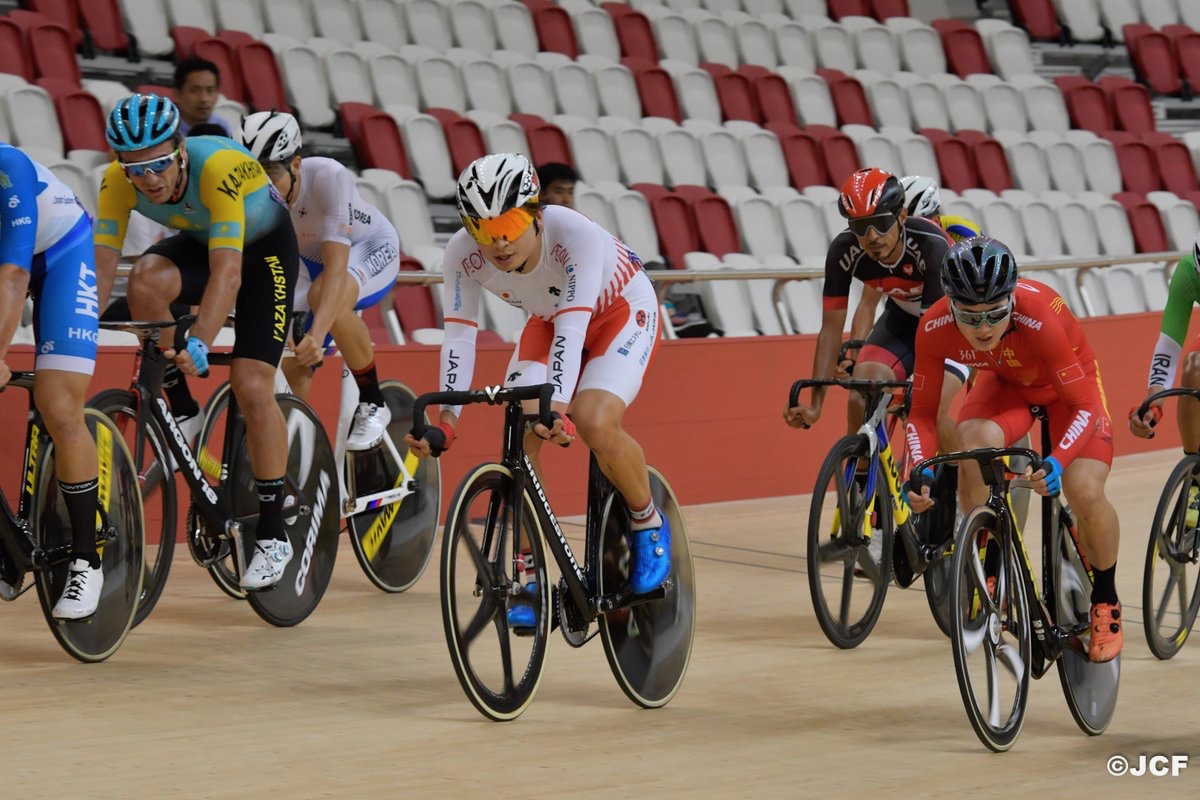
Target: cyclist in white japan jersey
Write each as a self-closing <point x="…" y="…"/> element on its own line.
<point x="350" y="255"/>
<point x="593" y="326"/>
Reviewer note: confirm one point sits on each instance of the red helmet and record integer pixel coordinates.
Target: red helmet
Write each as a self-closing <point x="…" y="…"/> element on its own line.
<point x="869" y="192"/>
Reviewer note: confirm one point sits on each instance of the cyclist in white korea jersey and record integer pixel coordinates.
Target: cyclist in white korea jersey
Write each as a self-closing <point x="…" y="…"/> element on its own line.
<point x="350" y="255"/>
<point x="592" y="328"/>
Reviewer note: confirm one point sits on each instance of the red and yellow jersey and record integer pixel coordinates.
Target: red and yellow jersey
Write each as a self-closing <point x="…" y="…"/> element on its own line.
<point x="227" y="202"/>
<point x="1044" y="355"/>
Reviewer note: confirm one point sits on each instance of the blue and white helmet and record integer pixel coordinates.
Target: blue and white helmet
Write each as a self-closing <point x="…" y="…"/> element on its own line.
<point x="140" y="121"/>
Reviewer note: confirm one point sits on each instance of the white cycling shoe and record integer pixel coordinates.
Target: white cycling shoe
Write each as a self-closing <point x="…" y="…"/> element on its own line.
<point x="271" y="557"/>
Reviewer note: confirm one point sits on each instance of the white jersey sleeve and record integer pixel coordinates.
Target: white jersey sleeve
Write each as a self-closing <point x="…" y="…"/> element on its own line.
<point x="461" y="304"/>
<point x="586" y="248"/>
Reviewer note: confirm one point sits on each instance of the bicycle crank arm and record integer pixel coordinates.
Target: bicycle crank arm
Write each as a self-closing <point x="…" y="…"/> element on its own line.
<point x="1067" y="640"/>
<point x="46" y="557"/>
<point x="624" y="598"/>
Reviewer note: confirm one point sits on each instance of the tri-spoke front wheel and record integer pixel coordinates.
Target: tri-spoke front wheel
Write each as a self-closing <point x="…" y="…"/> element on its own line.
<point x="495" y="594"/>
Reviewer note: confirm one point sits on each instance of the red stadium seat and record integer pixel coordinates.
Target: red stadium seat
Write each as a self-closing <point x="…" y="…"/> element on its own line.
<point x="841" y="156"/>
<point x="1038" y="18"/>
<point x="547" y="142"/>
<point x="380" y="145"/>
<point x="714" y="221"/>
<point x="990" y="162"/>
<point x="634" y="32"/>
<point x="652" y="191"/>
<point x="64" y="12"/>
<point x="1155" y="61"/>
<point x="1130" y="103"/>
<point x="735" y="92"/>
<point x="80" y="117"/>
<point x="848" y="8"/>
<point x="1193" y="198"/>
<point x="1149" y="234"/>
<point x="676" y="228"/>
<point x="955" y="160"/>
<point x="849" y="99"/>
<point x="1139" y="167"/>
<point x="965" y="54"/>
<point x="555" y="32"/>
<point x="265" y="90"/>
<point x="14" y="57"/>
<point x="185" y="38"/>
<point x="774" y="98"/>
<point x="102" y="18"/>
<point x="351" y="115"/>
<point x="1088" y="105"/>
<point x="414" y="305"/>
<point x="655" y="88"/>
<point x="1175" y="165"/>
<point x="885" y="9"/>
<point x="1188" y="48"/>
<point x="53" y="53"/>
<point x="224" y="56"/>
<point x="804" y="156"/>
<point x="1131" y="33"/>
<point x="462" y="137"/>
<point x="235" y="38"/>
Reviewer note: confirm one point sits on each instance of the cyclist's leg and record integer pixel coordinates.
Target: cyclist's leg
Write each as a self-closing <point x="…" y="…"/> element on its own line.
<point x="994" y="415"/>
<point x="268" y="279"/>
<point x="886" y="356"/>
<point x="620" y="343"/>
<point x="66" y="314"/>
<point x="173" y="269"/>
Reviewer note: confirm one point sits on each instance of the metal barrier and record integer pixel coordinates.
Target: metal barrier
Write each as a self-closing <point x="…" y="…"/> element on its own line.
<point x="663" y="279"/>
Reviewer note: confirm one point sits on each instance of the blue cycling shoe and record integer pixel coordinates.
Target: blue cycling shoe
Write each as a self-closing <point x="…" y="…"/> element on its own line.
<point x="522" y="618"/>
<point x="650" y="557"/>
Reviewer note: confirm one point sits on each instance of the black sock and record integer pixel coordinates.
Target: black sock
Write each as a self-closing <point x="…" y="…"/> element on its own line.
<point x="1104" y="589"/>
<point x="82" y="500"/>
<point x="270" y="509"/>
<point x="368" y="385"/>
<point x="175" y="386"/>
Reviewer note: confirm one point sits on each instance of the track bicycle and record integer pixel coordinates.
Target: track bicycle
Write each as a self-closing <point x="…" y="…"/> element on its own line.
<point x="868" y="534"/>
<point x="1004" y="630"/>
<point x="38" y="537"/>
<point x="390" y="498"/>
<point x="498" y="529"/>
<point x="223" y="512"/>
<point x="1171" y="577"/>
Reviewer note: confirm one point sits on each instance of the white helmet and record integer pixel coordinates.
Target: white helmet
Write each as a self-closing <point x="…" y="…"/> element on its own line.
<point x="271" y="136"/>
<point x="922" y="197"/>
<point x="494" y="184"/>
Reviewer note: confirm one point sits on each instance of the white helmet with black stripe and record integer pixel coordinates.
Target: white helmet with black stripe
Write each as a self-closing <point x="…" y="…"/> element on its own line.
<point x="922" y="196"/>
<point x="494" y="184"/>
<point x="271" y="136"/>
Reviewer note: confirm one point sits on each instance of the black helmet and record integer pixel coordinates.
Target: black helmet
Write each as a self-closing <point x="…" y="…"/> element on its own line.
<point x="979" y="270"/>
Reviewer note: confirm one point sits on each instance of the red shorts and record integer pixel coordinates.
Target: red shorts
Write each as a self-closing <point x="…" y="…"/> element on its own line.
<point x="1007" y="405"/>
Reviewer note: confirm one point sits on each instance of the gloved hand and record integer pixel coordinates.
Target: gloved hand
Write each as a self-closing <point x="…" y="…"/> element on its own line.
<point x="1052" y="471"/>
<point x="198" y="351"/>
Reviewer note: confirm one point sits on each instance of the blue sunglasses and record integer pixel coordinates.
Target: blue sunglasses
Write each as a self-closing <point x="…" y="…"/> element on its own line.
<point x="138" y="169"/>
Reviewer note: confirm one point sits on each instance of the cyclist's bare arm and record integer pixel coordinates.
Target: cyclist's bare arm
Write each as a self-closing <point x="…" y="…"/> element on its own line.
<point x="225" y="278"/>
<point x="107" y="261"/>
<point x="14" y="281"/>
<point x="864" y="315"/>
<point x="335" y="276"/>
<point x="829" y="341"/>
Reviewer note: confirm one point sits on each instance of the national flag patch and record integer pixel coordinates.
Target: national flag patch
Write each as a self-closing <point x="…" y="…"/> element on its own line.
<point x="1069" y="374"/>
<point x="106" y="227"/>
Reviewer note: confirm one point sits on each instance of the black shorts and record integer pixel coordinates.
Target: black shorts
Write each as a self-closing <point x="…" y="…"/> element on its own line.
<point x="893" y="342"/>
<point x="264" y="300"/>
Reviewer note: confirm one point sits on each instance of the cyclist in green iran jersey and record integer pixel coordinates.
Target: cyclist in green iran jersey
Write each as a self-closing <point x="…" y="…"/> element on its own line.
<point x="1028" y="350"/>
<point x="1183" y="297"/>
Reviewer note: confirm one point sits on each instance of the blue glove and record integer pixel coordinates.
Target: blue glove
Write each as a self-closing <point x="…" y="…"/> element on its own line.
<point x="920" y="480"/>
<point x="1054" y="473"/>
<point x="198" y="350"/>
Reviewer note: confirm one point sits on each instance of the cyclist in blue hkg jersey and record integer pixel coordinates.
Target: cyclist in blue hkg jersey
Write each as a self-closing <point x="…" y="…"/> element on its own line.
<point x="46" y="249"/>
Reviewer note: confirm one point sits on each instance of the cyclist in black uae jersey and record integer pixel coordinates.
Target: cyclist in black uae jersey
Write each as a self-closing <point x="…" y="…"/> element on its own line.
<point x="899" y="256"/>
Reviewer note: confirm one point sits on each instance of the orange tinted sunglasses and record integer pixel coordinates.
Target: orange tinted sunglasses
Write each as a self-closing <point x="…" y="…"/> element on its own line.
<point x="509" y="226"/>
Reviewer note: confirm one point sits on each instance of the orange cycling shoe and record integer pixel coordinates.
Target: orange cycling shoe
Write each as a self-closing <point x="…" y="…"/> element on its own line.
<point x="1107" y="636"/>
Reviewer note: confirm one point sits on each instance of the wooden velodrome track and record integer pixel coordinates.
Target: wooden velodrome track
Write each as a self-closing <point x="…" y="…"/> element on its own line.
<point x="205" y="700"/>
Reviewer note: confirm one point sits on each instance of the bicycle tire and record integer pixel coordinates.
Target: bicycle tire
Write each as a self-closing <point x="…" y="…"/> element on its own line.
<point x="1173" y="545"/>
<point x="827" y="546"/>
<point x="313" y="529"/>
<point x="99" y="636"/>
<point x="393" y="543"/>
<point x="159" y="501"/>
<point x="649" y="645"/>
<point x="208" y="451"/>
<point x="477" y="572"/>
<point x="977" y="625"/>
<point x="1090" y="689"/>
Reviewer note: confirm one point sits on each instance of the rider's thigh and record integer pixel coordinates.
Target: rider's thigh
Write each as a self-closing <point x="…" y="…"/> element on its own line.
<point x="976" y="433"/>
<point x="1191" y="370"/>
<point x="597" y="415"/>
<point x="1084" y="480"/>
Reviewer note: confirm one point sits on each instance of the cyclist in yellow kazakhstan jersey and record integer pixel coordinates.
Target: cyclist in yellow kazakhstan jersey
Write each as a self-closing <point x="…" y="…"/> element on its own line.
<point x="922" y="198"/>
<point x="236" y="247"/>
<point x="1184" y="295"/>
